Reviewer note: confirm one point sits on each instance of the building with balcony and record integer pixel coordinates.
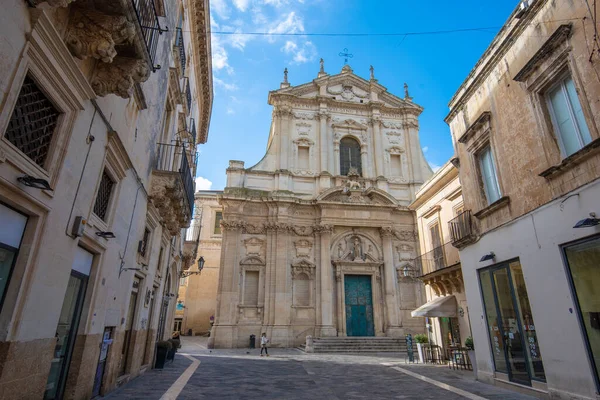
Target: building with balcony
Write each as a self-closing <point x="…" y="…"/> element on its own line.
<point x="198" y="289"/>
<point x="439" y="209"/>
<point x="525" y="129"/>
<point x="102" y="104"/>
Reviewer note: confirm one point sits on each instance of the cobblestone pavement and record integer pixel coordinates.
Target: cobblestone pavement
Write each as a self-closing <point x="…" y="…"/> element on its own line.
<point x="291" y="374"/>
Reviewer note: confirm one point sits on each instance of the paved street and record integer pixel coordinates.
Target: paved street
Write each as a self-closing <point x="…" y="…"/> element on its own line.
<point x="290" y="374"/>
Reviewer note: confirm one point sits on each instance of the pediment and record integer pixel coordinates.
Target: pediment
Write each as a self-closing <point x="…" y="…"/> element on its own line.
<point x="252" y="260"/>
<point x="350" y="124"/>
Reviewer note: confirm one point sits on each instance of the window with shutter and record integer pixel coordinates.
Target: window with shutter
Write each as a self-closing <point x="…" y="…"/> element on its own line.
<point x="301" y="290"/>
<point x="349" y="155"/>
<point x="251" y="288"/>
<point x="567" y="117"/>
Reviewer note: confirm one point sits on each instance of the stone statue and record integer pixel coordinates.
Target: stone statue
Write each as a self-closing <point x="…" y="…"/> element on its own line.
<point x="356" y="249"/>
<point x="285" y="74"/>
<point x="322" y="63"/>
<point x="372" y="73"/>
<point x="406" y="96"/>
<point x="340" y="250"/>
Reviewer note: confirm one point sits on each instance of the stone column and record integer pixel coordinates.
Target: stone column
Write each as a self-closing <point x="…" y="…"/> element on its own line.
<point x="327" y="327"/>
<point x="392" y="324"/>
<point x="222" y="334"/>
<point x="323" y="141"/>
<point x="378" y="156"/>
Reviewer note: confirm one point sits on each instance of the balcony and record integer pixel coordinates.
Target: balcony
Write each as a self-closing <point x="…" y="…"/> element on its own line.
<point x="188" y="95"/>
<point x="444" y="256"/>
<point x="172" y="185"/>
<point x="122" y="34"/>
<point x="461" y="230"/>
<point x="193" y="130"/>
<point x="440" y="269"/>
<point x="190" y="245"/>
<point x="180" y="50"/>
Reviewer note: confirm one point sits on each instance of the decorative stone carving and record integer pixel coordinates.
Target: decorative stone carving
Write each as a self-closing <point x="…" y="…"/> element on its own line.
<point x="302" y="230"/>
<point x="303" y="267"/>
<point x="95" y="34"/>
<point x="254" y="246"/>
<point x="303" y="248"/>
<point x="283" y="112"/>
<point x="119" y="76"/>
<point x="348" y="92"/>
<point x="167" y="195"/>
<point x="406" y="236"/>
<point x="386" y="231"/>
<point x="304" y="115"/>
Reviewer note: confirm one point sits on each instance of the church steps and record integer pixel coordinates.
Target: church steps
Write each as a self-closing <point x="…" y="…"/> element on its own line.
<point x="359" y="345"/>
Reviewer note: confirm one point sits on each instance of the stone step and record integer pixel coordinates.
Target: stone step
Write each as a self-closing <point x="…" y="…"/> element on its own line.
<point x="359" y="345"/>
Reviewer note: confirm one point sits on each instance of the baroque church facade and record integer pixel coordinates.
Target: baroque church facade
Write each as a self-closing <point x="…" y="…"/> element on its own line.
<point x="317" y="237"/>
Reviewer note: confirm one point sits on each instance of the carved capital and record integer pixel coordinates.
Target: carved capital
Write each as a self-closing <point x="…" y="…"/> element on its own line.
<point x="283" y="112"/>
<point x="231" y="225"/>
<point x="376" y="121"/>
<point x="119" y="76"/>
<point x="323" y="116"/>
<point x="386" y="231"/>
<point x="94" y="34"/>
<point x="323" y="228"/>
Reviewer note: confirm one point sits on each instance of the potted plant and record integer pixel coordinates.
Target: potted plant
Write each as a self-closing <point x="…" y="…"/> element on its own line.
<point x="471" y="352"/>
<point x="162" y="349"/>
<point x="421" y="340"/>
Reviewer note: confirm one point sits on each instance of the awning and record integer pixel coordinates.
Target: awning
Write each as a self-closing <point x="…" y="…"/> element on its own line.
<point x="440" y="307"/>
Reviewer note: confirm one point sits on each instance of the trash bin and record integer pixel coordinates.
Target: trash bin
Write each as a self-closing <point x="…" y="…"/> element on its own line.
<point x="252" y="341"/>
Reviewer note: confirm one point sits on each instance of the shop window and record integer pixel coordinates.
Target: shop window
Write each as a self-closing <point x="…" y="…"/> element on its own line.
<point x="567" y="116"/>
<point x="33" y="123"/>
<point x="103" y="197"/>
<point x="511" y="329"/>
<point x="583" y="260"/>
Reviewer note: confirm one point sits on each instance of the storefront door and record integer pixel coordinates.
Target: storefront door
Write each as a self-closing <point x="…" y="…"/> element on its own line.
<point x="68" y="323"/>
<point x="583" y="267"/>
<point x="12" y="226"/>
<point x="510" y="323"/>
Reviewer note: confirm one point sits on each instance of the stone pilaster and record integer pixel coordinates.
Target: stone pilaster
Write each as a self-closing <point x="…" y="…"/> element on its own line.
<point x="377" y="138"/>
<point x="323" y="141"/>
<point x="327" y="327"/>
<point x="392" y="324"/>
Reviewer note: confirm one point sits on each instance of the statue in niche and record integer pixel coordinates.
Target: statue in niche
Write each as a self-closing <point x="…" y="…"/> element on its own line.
<point x="370" y="251"/>
<point x="357" y="249"/>
<point x="340" y="250"/>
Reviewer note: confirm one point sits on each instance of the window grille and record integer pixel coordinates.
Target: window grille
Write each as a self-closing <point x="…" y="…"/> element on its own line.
<point x="32" y="123"/>
<point x="349" y="156"/>
<point x="103" y="196"/>
<point x="144" y="242"/>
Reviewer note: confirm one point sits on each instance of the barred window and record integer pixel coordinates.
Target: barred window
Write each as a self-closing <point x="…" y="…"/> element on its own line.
<point x="144" y="242"/>
<point x="33" y="122"/>
<point x="349" y="155"/>
<point x="103" y="196"/>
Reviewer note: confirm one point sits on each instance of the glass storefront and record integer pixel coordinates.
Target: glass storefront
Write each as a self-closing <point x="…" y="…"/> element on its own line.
<point x="510" y="324"/>
<point x="583" y="267"/>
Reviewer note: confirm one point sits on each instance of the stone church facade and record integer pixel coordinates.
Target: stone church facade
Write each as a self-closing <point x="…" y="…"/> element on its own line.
<point x="317" y="238"/>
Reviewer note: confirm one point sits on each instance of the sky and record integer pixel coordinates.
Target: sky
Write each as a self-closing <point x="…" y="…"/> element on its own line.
<point x="247" y="67"/>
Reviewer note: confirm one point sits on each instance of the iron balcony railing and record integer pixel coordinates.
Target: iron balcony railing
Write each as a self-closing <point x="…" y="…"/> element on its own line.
<point x="181" y="47"/>
<point x="461" y="227"/>
<point x="174" y="158"/>
<point x="441" y="257"/>
<point x="188" y="95"/>
<point x="145" y="12"/>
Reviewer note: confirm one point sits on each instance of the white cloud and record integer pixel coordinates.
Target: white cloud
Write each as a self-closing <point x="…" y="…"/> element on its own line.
<point x="301" y="54"/>
<point x="241" y="5"/>
<point x="203" y="183"/>
<point x="425" y="149"/>
<point x="279" y="3"/>
<point x="230" y="110"/>
<point x="239" y="40"/>
<point x="220" y="59"/>
<point x="290" y="23"/>
<point x="221" y="8"/>
<point x="224" y="85"/>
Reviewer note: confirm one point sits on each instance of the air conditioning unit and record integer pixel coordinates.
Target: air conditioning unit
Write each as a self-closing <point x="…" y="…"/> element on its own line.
<point x="523" y="8"/>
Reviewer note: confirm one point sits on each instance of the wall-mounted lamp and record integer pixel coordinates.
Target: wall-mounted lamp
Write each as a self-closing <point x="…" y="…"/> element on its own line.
<point x="588" y="222"/>
<point x="37" y="183"/>
<point x="185" y="274"/>
<point x="105" y="235"/>
<point x="487" y="257"/>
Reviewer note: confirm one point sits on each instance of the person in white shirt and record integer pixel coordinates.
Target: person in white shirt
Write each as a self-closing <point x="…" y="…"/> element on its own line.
<point x="263" y="344"/>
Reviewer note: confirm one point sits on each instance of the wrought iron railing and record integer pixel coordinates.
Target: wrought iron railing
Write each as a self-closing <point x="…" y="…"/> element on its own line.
<point x="188" y="95"/>
<point x="441" y="257"/>
<point x="461" y="227"/>
<point x="174" y="158"/>
<point x="147" y="17"/>
<point x="181" y="47"/>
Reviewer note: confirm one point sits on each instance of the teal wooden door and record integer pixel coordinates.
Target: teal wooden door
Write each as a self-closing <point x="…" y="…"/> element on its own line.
<point x="359" y="305"/>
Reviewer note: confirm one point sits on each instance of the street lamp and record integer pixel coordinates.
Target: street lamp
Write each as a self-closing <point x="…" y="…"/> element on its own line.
<point x="185" y="274"/>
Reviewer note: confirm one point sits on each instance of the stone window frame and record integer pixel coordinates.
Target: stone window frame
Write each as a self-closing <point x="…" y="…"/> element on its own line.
<point x="252" y="263"/>
<point x="552" y="63"/>
<point x="304" y="142"/>
<point x="47" y="60"/>
<point x="213" y="221"/>
<point x="396" y="150"/>
<point x="307" y="269"/>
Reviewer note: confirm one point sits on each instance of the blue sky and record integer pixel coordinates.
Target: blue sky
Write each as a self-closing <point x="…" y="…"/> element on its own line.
<point x="246" y="67"/>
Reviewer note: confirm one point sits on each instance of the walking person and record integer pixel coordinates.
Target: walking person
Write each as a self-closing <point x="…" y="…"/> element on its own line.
<point x="263" y="344"/>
